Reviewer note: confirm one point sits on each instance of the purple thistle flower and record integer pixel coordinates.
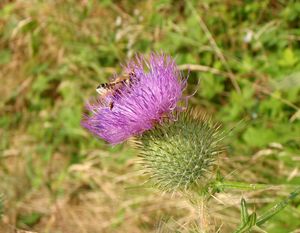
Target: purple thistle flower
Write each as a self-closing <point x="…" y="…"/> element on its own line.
<point x="153" y="94"/>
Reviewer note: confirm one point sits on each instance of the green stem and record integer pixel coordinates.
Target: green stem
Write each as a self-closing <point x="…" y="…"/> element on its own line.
<point x="241" y="185"/>
<point x="247" y="186"/>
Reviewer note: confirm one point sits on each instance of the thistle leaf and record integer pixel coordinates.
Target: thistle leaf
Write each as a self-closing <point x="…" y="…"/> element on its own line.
<point x="277" y="207"/>
<point x="245" y="227"/>
<point x="244" y="211"/>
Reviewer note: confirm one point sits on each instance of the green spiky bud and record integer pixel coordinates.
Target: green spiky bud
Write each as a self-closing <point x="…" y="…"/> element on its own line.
<point x="179" y="154"/>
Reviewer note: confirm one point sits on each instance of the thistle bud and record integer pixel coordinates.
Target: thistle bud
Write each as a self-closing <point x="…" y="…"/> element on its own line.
<point x="180" y="154"/>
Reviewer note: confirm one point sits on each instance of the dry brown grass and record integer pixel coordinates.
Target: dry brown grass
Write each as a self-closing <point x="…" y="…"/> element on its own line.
<point x="94" y="198"/>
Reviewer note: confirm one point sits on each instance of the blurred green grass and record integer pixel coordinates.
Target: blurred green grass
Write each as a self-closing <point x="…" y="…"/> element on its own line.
<point x="54" y="54"/>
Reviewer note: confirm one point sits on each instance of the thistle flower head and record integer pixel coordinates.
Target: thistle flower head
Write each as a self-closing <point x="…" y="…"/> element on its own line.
<point x="180" y="154"/>
<point x="153" y="93"/>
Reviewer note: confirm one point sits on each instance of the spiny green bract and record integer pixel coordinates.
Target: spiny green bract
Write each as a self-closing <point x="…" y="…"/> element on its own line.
<point x="179" y="154"/>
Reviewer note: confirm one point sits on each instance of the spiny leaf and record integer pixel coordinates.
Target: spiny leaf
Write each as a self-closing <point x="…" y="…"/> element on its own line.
<point x="277" y="207"/>
<point x="244" y="211"/>
<point x="251" y="220"/>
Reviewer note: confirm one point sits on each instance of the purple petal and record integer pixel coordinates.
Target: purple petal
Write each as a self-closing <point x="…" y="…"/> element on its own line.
<point x="154" y="94"/>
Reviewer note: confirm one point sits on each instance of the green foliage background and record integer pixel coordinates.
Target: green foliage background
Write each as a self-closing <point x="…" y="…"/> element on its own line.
<point x="54" y="53"/>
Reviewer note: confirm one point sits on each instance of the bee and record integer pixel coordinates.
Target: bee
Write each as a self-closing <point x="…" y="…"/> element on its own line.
<point x="114" y="87"/>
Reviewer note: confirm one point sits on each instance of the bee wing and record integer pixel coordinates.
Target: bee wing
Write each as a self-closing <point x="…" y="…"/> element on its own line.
<point x="102" y="90"/>
<point x="109" y="88"/>
<point x="106" y="88"/>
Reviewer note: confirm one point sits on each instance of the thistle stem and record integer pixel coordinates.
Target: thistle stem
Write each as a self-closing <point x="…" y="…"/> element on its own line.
<point x="241" y="185"/>
<point x="247" y="186"/>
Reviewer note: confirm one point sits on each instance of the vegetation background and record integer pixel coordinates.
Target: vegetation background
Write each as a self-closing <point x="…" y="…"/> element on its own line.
<point x="56" y="177"/>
